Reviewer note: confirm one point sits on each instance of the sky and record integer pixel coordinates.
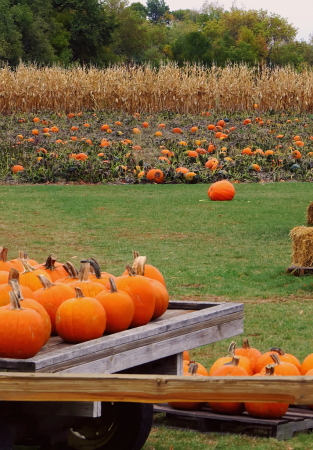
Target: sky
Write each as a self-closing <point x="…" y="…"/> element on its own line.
<point x="298" y="13"/>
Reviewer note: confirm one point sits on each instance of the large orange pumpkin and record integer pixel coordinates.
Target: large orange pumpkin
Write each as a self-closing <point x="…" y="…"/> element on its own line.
<point x="155" y="175"/>
<point x="141" y="291"/>
<point x="268" y="410"/>
<point x="149" y="271"/>
<point x="266" y="359"/>
<point x="201" y="370"/>
<point x="119" y="308"/>
<point x="189" y="406"/>
<point x="22" y="332"/>
<point x="221" y="191"/>
<point x="229" y="369"/>
<point x="80" y="319"/>
<point x="251" y="353"/>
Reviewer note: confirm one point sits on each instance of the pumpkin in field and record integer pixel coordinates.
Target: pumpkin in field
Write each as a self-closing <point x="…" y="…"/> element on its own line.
<point x="22" y="332"/>
<point x="255" y="167"/>
<point x="221" y="191"/>
<point x="231" y="369"/>
<point x="282" y="367"/>
<point x="80" y="319"/>
<point x="119" y="308"/>
<point x="29" y="277"/>
<point x="247" y="151"/>
<point x="243" y="361"/>
<point x="5" y="289"/>
<point x="267" y="410"/>
<point x="51" y="296"/>
<point x="191" y="177"/>
<point x="155" y="175"/>
<point x="251" y="353"/>
<point x="89" y="287"/>
<point x="17" y="168"/>
<point x="189" y="406"/>
<point x="266" y="359"/>
<point x="141" y="292"/>
<point x="211" y="163"/>
<point x="31" y="304"/>
<point x="182" y="170"/>
<point x="177" y="130"/>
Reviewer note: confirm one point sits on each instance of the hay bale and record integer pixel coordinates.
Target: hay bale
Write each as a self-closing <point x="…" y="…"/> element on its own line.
<point x="302" y="246"/>
<point x="310" y="214"/>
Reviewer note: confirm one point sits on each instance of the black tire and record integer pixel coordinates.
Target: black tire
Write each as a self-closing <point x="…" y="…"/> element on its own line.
<point x="6" y="441"/>
<point x="122" y="426"/>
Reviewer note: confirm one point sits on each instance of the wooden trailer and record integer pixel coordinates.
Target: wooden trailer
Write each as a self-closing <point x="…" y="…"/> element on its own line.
<point x="63" y="421"/>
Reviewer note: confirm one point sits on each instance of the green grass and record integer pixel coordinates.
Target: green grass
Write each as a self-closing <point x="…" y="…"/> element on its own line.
<point x="236" y="251"/>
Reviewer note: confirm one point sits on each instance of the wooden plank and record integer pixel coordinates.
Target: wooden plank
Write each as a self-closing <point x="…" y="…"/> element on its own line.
<point x="162" y="366"/>
<point x="153" y="329"/>
<point x="131" y="355"/>
<point x="154" y="388"/>
<point x="178" y="304"/>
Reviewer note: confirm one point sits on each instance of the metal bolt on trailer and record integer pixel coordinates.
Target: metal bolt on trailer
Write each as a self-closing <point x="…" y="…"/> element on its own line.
<point x="156" y="348"/>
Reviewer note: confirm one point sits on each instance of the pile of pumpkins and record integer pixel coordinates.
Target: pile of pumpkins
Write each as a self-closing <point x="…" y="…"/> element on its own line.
<point x="40" y="300"/>
<point x="248" y="361"/>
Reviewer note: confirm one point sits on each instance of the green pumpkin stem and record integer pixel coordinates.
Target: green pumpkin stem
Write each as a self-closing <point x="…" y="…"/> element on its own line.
<point x="46" y="283"/>
<point x="113" y="286"/>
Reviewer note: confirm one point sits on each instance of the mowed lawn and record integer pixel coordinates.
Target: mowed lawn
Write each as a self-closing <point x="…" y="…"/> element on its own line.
<point x="234" y="251"/>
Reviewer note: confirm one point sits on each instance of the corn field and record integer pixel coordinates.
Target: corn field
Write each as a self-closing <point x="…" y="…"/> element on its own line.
<point x="187" y="90"/>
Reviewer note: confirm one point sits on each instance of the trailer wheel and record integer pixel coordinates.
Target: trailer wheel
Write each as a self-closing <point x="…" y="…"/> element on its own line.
<point x="122" y="426"/>
<point x="6" y="441"/>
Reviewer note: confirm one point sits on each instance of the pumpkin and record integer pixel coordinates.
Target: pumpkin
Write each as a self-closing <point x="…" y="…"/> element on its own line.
<point x="22" y="332"/>
<point x="267" y="410"/>
<point x="243" y="361"/>
<point x="51" y="296"/>
<point x="282" y="368"/>
<point x="160" y="293"/>
<point x="119" y="308"/>
<point x="221" y="191"/>
<point x="72" y="274"/>
<point x="182" y="170"/>
<point x="155" y="175"/>
<point x="255" y="167"/>
<point x="266" y="359"/>
<point x="80" y="319"/>
<point x="186" y="356"/>
<point x="307" y="364"/>
<point x="141" y="291"/>
<point x="81" y="157"/>
<point x="247" y="151"/>
<point x="29" y="277"/>
<point x="177" y="130"/>
<point x="229" y="369"/>
<point x="4" y="277"/>
<point x="211" y="163"/>
<point x="97" y="275"/>
<point x="201" y="370"/>
<point x="5" y="289"/>
<point x="55" y="271"/>
<point x="191" y="177"/>
<point x="89" y="287"/>
<point x="17" y="168"/>
<point x="251" y="353"/>
<point x="149" y="271"/>
<point x="31" y="304"/>
<point x="17" y="262"/>
<point x="189" y="406"/>
<point x="7" y="265"/>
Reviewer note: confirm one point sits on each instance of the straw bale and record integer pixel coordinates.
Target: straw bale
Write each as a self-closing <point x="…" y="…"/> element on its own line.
<point x="310" y="214"/>
<point x="302" y="246"/>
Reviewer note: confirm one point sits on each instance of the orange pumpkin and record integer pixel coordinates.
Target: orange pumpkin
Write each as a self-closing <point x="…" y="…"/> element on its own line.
<point x="182" y="170"/>
<point x="177" y="130"/>
<point x="243" y="361"/>
<point x="229" y="369"/>
<point x="189" y="406"/>
<point x="29" y="277"/>
<point x="4" y="277"/>
<point x="51" y="296"/>
<point x="155" y="175"/>
<point x="55" y="271"/>
<point x="186" y="356"/>
<point x="201" y="370"/>
<point x="282" y="367"/>
<point x="17" y="168"/>
<point x="72" y="274"/>
<point x="268" y="410"/>
<point x="22" y="332"/>
<point x="119" y="308"/>
<point x="7" y="265"/>
<point x="247" y="151"/>
<point x="89" y="287"/>
<point x="149" y="271"/>
<point x="211" y="163"/>
<point x="221" y="191"/>
<point x="80" y="319"/>
<point x="251" y="353"/>
<point x="307" y="364"/>
<point x="266" y="359"/>
<point x="5" y="289"/>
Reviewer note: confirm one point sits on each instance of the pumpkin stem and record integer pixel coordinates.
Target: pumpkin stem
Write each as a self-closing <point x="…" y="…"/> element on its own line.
<point x="15" y="304"/>
<point x="233" y="362"/>
<point x="49" y="264"/>
<point x="14" y="274"/>
<point x="135" y="254"/>
<point x="232" y="348"/>
<point x="280" y="351"/>
<point x="79" y="293"/>
<point x="3" y="254"/>
<point x="83" y="274"/>
<point x="130" y="271"/>
<point x="270" y="369"/>
<point x="70" y="269"/>
<point x="245" y="344"/>
<point x="139" y="265"/>
<point x="46" y="283"/>
<point x="192" y="369"/>
<point x="27" y="267"/>
<point x="16" y="288"/>
<point x="21" y="254"/>
<point x="113" y="286"/>
<point x="276" y="359"/>
<point x="95" y="266"/>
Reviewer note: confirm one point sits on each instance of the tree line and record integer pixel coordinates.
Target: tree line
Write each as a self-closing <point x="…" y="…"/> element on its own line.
<point x="111" y="31"/>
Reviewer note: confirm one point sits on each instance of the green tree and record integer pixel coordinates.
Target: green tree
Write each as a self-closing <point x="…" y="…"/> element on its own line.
<point x="140" y="8"/>
<point x="10" y="36"/>
<point x="157" y="10"/>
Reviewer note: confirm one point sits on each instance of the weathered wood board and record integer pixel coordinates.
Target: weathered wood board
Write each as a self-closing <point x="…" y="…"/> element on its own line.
<point x="184" y="326"/>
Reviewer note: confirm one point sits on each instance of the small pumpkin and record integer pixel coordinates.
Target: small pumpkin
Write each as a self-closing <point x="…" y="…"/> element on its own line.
<point x="243" y="361"/>
<point x="7" y="265"/>
<point x="29" y="277"/>
<point x="89" y="287"/>
<point x="267" y="410"/>
<point x="251" y="353"/>
<point x="201" y="370"/>
<point x="80" y="319"/>
<point x="221" y="191"/>
<point x="5" y="289"/>
<point x="119" y="308"/>
<point x="189" y="406"/>
<point x="155" y="175"/>
<point x="186" y="356"/>
<point x="22" y="332"/>
<point x="307" y="364"/>
<point x="149" y="271"/>
<point x="266" y="359"/>
<point x="282" y="367"/>
<point x="53" y="269"/>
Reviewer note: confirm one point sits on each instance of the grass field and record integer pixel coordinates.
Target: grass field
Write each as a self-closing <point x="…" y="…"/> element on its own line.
<point x="206" y="250"/>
